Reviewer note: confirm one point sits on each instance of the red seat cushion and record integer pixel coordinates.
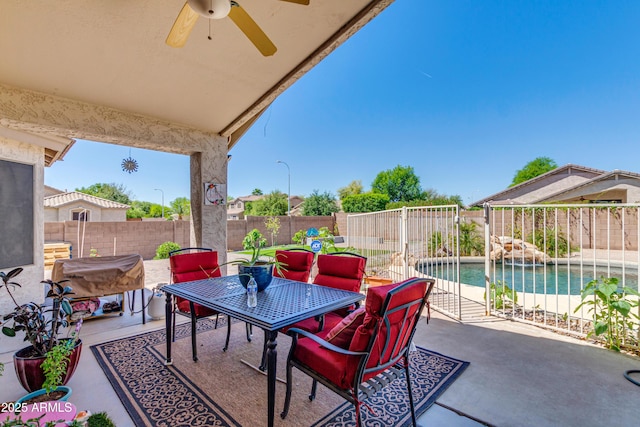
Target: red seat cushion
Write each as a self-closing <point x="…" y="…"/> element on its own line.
<point x="201" y="311"/>
<point x="313" y="326"/>
<point x="327" y="363"/>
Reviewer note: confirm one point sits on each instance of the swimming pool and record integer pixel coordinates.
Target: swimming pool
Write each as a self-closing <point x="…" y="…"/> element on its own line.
<point x="541" y="279"/>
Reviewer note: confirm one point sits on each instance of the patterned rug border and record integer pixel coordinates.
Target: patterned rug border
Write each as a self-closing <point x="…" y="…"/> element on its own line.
<point x="421" y="405"/>
<point x="209" y="412"/>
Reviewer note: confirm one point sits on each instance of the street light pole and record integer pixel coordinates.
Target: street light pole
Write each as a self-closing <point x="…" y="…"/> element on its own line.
<point x="289" y="191"/>
<point x="157" y="189"/>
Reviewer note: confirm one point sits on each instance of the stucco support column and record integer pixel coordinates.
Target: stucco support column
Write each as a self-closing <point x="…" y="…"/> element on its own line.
<point x="209" y="222"/>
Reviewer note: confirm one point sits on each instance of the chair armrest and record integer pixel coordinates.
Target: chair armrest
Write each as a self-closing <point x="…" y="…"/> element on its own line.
<point x="294" y="332"/>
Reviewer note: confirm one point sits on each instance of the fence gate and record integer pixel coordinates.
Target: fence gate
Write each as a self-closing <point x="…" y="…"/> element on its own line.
<point x="412" y="242"/>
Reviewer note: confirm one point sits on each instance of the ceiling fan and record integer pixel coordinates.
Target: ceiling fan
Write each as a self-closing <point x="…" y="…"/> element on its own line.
<point x="218" y="9"/>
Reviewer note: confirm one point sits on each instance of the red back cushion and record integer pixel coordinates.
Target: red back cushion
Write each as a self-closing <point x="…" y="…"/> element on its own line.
<point x="340" y="272"/>
<point x="298" y="265"/>
<point x="373" y="305"/>
<point x="342" y="334"/>
<point x="194" y="266"/>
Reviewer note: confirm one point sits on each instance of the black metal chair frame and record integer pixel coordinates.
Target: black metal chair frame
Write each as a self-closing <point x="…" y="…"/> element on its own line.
<point x="192" y="315"/>
<point x="372" y="385"/>
<point x="263" y="361"/>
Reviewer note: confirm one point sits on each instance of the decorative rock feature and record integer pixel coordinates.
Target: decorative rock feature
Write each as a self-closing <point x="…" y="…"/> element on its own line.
<point x="516" y="250"/>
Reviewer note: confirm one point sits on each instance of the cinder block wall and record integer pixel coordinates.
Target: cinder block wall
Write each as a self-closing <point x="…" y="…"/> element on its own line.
<point x="143" y="237"/>
<point x="236" y="230"/>
<point x="117" y="238"/>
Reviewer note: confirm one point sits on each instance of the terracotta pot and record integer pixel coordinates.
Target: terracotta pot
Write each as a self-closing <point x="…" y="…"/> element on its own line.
<point x="30" y="373"/>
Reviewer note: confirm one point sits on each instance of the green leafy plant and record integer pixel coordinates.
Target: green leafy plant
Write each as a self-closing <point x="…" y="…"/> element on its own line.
<point x="550" y="240"/>
<point x="470" y="242"/>
<point x="57" y="359"/>
<point x="41" y="325"/>
<point x="328" y="241"/>
<point x="255" y="242"/>
<point x="611" y="308"/>
<point x="55" y="365"/>
<point x="162" y="252"/>
<point x="502" y="295"/>
<point x="300" y="237"/>
<point x="100" y="419"/>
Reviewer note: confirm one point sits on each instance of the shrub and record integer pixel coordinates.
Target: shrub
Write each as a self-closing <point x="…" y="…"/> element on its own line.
<point x="162" y="252"/>
<point x="550" y="240"/>
<point x="366" y="202"/>
<point x="300" y="237"/>
<point x="471" y="243"/>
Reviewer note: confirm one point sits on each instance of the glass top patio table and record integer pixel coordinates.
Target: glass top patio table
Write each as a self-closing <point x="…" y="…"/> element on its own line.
<point x="283" y="303"/>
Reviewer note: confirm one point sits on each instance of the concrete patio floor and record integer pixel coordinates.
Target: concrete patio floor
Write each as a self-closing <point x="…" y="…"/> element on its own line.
<point x="519" y="375"/>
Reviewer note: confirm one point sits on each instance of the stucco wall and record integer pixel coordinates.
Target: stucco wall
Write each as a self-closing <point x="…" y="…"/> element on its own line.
<point x="32" y="275"/>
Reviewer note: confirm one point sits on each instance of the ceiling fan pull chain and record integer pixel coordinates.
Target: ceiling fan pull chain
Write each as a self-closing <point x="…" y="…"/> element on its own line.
<point x="209" y="37"/>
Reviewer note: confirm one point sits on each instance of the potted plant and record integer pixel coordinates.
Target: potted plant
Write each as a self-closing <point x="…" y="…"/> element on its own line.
<point x="42" y="326"/>
<point x="54" y="368"/>
<point x="261" y="269"/>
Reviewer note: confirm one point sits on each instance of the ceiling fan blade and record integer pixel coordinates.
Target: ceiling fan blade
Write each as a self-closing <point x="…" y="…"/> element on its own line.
<point x="253" y="32"/>
<point x="182" y="27"/>
<point x="305" y="2"/>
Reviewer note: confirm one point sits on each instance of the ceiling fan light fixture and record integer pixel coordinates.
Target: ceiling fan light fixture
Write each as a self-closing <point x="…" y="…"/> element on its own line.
<point x="211" y="9"/>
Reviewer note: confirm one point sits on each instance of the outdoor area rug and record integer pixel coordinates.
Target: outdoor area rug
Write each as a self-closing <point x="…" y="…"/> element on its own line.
<point x="221" y="389"/>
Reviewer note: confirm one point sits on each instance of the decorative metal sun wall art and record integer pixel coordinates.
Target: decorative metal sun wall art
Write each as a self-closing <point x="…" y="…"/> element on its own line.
<point x="129" y="164"/>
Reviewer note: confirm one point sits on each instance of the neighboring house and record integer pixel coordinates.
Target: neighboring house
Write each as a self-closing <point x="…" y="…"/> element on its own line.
<point x="572" y="184"/>
<point x="76" y="206"/>
<point x="237" y="206"/>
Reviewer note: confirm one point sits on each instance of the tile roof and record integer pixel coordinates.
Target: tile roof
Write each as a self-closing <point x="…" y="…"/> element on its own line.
<point x="62" y="199"/>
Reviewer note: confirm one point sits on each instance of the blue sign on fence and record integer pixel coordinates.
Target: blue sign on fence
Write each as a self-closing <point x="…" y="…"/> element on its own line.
<point x="316" y="245"/>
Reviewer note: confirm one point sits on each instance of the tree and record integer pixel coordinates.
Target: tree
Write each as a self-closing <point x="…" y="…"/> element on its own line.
<point x="400" y="184"/>
<point x="354" y="187"/>
<point x="139" y="209"/>
<point x="155" y="211"/>
<point x="273" y="225"/>
<point x="319" y="204"/>
<point x="536" y="167"/>
<point x="273" y="204"/>
<point x="181" y="206"/>
<point x="257" y="192"/>
<point x="115" y="192"/>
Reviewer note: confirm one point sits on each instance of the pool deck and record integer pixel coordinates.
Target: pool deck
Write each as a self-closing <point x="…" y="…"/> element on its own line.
<point x="519" y="375"/>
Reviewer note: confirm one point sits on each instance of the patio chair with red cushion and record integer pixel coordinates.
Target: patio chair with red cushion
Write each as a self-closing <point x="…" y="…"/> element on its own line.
<point x="340" y="270"/>
<point x="190" y="264"/>
<point x="297" y="263"/>
<point x="370" y="345"/>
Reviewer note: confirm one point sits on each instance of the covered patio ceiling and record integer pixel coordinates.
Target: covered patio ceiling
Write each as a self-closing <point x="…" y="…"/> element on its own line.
<point x="101" y="70"/>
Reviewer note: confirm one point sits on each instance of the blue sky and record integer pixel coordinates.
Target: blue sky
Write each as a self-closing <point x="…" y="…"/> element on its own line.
<point x="466" y="92"/>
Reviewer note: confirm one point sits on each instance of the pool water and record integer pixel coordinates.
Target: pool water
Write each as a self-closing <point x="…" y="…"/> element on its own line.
<point x="549" y="279"/>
